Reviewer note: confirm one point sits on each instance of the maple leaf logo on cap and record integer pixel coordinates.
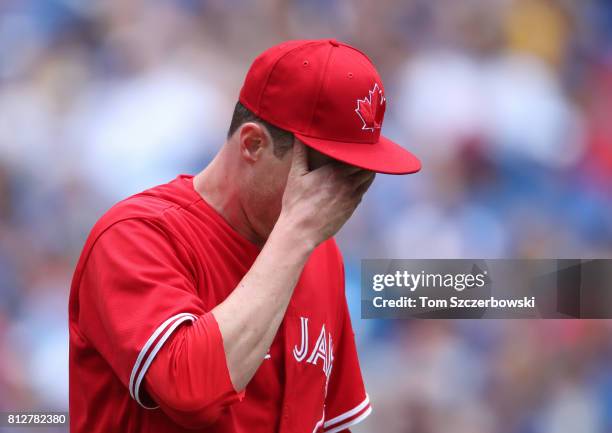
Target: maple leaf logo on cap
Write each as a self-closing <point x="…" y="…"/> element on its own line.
<point x="371" y="109"/>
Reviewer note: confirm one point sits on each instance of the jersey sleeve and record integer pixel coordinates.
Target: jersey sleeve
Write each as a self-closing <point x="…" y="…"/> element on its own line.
<point x="136" y="290"/>
<point x="180" y="378"/>
<point x="346" y="402"/>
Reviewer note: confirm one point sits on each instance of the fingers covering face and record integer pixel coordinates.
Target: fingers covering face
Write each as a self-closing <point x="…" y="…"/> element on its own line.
<point x="299" y="163"/>
<point x="364" y="182"/>
<point x="361" y="177"/>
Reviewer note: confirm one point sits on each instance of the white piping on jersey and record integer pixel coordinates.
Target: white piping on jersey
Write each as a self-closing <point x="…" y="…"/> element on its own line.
<point x="134" y="386"/>
<point x="349" y="413"/>
<point x="320" y="422"/>
<point x="351" y="422"/>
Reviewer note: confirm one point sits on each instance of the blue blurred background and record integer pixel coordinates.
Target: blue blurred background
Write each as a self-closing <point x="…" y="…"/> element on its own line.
<point x="507" y="102"/>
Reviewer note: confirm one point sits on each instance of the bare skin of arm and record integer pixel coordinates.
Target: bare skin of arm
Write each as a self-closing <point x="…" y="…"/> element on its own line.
<point x="316" y="204"/>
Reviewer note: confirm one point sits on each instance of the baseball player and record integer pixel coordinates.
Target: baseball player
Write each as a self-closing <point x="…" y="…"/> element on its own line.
<point x="216" y="302"/>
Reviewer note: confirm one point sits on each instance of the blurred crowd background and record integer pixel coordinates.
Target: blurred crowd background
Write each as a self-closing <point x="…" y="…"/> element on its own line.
<point x="507" y="102"/>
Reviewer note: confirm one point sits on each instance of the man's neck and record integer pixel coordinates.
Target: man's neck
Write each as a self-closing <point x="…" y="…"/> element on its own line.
<point x="215" y="186"/>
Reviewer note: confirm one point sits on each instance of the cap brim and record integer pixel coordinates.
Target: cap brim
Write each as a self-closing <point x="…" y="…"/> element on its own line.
<point x="384" y="156"/>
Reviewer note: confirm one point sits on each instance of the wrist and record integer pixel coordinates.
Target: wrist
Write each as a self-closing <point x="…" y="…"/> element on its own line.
<point x="288" y="234"/>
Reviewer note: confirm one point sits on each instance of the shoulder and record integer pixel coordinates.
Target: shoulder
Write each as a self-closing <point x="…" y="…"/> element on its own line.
<point x="148" y="207"/>
<point x="137" y="220"/>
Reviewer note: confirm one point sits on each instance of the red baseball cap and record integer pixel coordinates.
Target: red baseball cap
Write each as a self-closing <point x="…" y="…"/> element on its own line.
<point x="331" y="97"/>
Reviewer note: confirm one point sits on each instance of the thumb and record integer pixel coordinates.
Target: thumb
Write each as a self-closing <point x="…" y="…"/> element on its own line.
<point x="299" y="162"/>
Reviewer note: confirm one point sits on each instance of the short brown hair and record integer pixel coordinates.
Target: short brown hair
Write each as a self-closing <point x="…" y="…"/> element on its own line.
<point x="283" y="140"/>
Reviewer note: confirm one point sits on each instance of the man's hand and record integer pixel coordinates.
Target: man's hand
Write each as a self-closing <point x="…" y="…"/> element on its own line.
<point x="317" y="203"/>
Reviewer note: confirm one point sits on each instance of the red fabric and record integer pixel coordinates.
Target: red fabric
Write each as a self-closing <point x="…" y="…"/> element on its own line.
<point x="189" y="379"/>
<point x="141" y="334"/>
<point x="331" y="96"/>
<point x="345" y="379"/>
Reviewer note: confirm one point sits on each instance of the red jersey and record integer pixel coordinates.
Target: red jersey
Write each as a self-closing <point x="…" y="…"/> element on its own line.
<point x="152" y="269"/>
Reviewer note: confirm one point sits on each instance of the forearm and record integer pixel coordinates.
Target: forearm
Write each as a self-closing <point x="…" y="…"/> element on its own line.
<point x="250" y="317"/>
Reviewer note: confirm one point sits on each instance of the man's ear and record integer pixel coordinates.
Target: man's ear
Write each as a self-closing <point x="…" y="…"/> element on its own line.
<point x="254" y="139"/>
